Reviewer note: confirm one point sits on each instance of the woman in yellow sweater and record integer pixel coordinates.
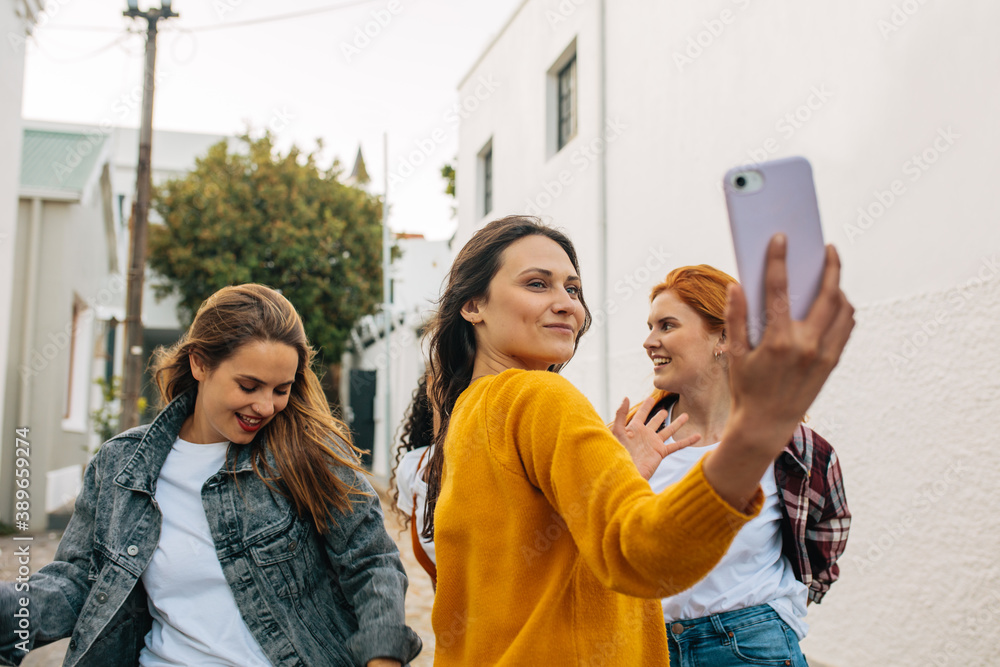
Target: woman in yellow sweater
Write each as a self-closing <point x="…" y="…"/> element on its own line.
<point x="551" y="547"/>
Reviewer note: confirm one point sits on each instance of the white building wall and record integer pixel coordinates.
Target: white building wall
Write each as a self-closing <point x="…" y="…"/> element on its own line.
<point x="505" y="99"/>
<point x="12" y="28"/>
<point x="399" y="377"/>
<point x="418" y="275"/>
<point x="894" y="104"/>
<point x="174" y="155"/>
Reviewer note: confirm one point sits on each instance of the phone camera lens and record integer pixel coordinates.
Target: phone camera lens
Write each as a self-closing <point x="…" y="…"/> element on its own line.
<point x="741" y="181"/>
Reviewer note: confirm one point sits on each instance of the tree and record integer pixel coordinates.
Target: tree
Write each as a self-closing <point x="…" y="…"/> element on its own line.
<point x="448" y="174"/>
<point x="258" y="216"/>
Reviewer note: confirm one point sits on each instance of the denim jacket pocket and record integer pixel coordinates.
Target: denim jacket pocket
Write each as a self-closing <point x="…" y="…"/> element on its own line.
<point x="275" y="556"/>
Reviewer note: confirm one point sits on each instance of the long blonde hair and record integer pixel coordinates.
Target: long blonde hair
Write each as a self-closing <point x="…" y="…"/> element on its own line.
<point x="305" y="439"/>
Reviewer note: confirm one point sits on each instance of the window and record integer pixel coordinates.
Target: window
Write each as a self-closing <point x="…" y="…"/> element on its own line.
<point x="486" y="178"/>
<point x="567" y="103"/>
<point x="488" y="181"/>
<point x="79" y="338"/>
<point x="562" y="91"/>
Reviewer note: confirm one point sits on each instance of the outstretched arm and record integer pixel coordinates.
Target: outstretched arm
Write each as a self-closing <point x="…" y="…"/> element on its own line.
<point x="774" y="384"/>
<point x="370" y="573"/>
<point x="56" y="593"/>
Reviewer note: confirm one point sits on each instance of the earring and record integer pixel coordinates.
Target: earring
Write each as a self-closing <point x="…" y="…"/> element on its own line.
<point x="718" y="355"/>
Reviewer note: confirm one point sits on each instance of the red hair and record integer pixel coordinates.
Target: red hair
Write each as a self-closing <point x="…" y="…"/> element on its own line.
<point x="704" y="289"/>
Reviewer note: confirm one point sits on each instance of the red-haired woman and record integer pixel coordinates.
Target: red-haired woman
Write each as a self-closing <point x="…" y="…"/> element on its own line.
<point x="750" y="609"/>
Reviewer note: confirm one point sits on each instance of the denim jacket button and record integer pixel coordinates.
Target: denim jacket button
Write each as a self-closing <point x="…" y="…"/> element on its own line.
<point x="72" y="644"/>
<point x="292" y="545"/>
<point x="132" y="550"/>
<point x="102" y="597"/>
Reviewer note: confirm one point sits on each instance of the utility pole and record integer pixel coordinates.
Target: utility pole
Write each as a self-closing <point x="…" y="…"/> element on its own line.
<point x="387" y="304"/>
<point x="132" y="385"/>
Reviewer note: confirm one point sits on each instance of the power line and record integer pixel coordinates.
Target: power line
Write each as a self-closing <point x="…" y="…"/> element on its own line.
<point x="120" y="39"/>
<point x="224" y="26"/>
<point x="84" y="28"/>
<point x="279" y="17"/>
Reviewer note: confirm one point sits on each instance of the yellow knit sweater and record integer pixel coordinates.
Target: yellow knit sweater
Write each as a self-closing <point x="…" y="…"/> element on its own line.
<point x="551" y="548"/>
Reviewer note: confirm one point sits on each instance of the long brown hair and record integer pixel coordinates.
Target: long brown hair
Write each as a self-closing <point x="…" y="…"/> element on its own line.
<point x="417" y="431"/>
<point x="306" y="440"/>
<point x="452" y="341"/>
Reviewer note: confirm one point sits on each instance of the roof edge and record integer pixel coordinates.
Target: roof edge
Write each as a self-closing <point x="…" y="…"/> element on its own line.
<point x="48" y="194"/>
<point x="489" y="47"/>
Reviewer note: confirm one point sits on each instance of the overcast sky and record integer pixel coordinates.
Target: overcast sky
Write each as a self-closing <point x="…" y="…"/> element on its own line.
<point x="347" y="75"/>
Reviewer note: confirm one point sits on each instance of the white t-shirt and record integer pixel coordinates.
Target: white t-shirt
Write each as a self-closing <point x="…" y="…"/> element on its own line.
<point x="753" y="571"/>
<point x="410" y="481"/>
<point x="195" y="617"/>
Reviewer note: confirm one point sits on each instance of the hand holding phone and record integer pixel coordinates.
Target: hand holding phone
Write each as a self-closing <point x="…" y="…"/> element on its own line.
<point x="764" y="200"/>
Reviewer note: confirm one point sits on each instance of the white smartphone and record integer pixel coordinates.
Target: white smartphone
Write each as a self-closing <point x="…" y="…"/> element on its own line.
<point x="763" y="200"/>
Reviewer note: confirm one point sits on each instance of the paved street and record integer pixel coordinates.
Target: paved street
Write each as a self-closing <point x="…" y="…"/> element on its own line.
<point x="419" y="597"/>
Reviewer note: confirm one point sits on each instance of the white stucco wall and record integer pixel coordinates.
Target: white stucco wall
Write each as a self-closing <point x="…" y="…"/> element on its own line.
<point x="504" y="97"/>
<point x="418" y="275"/>
<point x="911" y="410"/>
<point x="894" y="104"/>
<point x="12" y="29"/>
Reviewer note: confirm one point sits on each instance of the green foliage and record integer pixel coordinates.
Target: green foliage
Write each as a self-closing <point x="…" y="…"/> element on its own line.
<point x="105" y="418"/>
<point x="448" y="174"/>
<point x="254" y="215"/>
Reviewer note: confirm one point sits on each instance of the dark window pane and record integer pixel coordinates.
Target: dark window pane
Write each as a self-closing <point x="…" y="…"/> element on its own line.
<point x="488" y="182"/>
<point x="567" y="102"/>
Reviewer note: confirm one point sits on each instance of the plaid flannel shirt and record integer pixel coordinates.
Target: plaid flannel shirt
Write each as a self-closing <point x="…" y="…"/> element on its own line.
<point x="814" y="507"/>
<point x="815" y="517"/>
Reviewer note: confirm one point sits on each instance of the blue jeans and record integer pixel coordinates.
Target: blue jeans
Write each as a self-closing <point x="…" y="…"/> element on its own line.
<point x="752" y="636"/>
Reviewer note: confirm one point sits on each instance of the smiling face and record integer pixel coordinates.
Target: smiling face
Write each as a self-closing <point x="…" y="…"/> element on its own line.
<point x="242" y="394"/>
<point x="532" y="312"/>
<point x="680" y="345"/>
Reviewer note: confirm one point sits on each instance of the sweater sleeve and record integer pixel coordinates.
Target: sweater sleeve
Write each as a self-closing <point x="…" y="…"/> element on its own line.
<point x="634" y="541"/>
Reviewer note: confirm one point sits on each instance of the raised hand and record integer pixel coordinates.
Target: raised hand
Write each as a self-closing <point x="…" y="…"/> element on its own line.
<point x="644" y="443"/>
<point x="773" y="385"/>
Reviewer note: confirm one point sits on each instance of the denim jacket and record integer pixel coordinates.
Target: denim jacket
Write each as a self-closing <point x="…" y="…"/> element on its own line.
<point x="308" y="599"/>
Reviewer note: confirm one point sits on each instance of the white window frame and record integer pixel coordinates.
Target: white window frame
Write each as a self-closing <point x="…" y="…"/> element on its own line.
<point x="80" y="363"/>
<point x="485" y="177"/>
<point x="552" y="95"/>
